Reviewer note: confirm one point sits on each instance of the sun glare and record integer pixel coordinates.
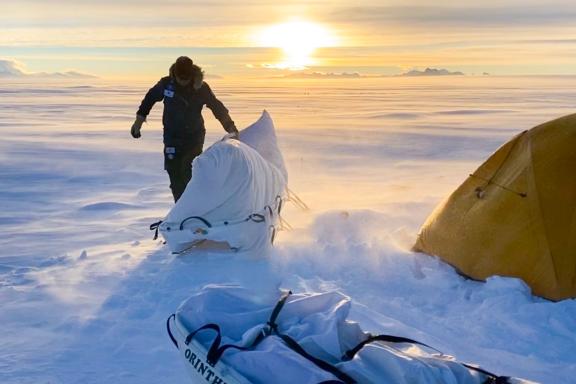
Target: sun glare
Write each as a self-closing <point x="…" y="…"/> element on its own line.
<point x="298" y="40"/>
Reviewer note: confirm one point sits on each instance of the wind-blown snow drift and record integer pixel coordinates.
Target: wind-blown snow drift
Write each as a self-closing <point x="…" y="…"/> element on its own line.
<point x="85" y="292"/>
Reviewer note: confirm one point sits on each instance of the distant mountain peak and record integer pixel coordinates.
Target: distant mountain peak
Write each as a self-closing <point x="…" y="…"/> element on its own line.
<point x="432" y="72"/>
<point x="13" y="69"/>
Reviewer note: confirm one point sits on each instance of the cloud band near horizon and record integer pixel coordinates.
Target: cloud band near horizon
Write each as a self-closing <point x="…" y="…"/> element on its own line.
<point x="106" y="37"/>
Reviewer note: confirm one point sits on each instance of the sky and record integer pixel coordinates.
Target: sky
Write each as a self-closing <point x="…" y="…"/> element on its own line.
<point x="255" y="38"/>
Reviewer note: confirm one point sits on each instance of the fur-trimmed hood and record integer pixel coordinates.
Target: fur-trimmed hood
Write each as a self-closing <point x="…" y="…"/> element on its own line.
<point x="197" y="75"/>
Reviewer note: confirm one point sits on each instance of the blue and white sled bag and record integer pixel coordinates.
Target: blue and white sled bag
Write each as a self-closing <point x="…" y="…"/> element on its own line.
<point x="227" y="335"/>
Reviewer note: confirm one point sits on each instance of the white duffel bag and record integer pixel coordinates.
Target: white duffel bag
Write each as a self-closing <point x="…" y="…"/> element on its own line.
<point x="227" y="334"/>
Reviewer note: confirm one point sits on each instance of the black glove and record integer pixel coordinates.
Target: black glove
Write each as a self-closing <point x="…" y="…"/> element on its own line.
<point x="135" y="130"/>
<point x="232" y="130"/>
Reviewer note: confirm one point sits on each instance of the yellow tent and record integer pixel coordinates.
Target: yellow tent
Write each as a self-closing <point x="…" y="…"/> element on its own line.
<point x="516" y="214"/>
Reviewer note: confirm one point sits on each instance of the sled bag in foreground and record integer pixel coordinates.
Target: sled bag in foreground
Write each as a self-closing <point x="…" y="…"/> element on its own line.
<point x="226" y="335"/>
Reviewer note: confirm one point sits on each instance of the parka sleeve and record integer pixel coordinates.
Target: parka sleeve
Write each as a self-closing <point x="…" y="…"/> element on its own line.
<point x="154" y="94"/>
<point x="218" y="109"/>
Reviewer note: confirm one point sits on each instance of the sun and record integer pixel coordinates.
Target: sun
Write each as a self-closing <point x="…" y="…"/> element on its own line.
<point x="298" y="40"/>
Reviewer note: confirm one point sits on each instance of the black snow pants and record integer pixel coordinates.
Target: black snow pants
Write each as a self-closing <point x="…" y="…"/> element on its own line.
<point x="178" y="164"/>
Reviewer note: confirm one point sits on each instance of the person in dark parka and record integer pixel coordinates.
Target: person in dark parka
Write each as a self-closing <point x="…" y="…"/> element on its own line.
<point x="184" y="93"/>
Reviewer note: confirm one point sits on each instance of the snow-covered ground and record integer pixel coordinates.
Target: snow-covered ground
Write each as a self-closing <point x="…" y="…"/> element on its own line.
<point x="85" y="291"/>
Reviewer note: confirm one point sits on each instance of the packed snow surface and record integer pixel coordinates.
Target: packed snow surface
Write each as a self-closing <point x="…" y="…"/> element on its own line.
<point x="85" y="291"/>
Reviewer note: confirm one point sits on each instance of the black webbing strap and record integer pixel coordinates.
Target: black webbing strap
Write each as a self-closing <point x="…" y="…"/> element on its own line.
<point x="170" y="331"/>
<point x="349" y="355"/>
<point x="319" y="363"/>
<point x="257" y="218"/>
<point x="213" y="351"/>
<point x="203" y="220"/>
<point x="215" y="344"/>
<point x="154" y="227"/>
<point x="273" y="329"/>
<point x="492" y="378"/>
<point x="270" y="327"/>
<point x="276" y="311"/>
<point x="220" y="351"/>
